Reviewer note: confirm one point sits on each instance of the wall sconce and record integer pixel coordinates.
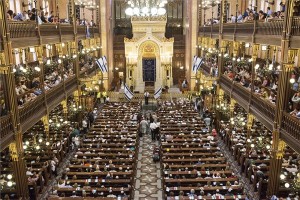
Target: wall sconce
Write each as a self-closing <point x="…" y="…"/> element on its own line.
<point x="31" y="49"/>
<point x="117" y="68"/>
<point x="264" y="47"/>
<point x="247" y="45"/>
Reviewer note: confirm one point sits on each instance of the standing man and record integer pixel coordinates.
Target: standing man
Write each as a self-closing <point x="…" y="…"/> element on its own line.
<point x="153" y="128"/>
<point x="143" y="127"/>
<point x="146" y="94"/>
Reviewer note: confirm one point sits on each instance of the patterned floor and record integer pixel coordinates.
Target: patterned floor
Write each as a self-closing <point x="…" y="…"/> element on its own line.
<point x="148" y="183"/>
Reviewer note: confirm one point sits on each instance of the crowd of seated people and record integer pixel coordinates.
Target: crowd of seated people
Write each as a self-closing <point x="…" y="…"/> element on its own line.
<point x="42" y="154"/>
<point x="251" y="15"/>
<point x="252" y="150"/>
<point x="265" y="82"/>
<point x="193" y="165"/>
<point x="104" y="160"/>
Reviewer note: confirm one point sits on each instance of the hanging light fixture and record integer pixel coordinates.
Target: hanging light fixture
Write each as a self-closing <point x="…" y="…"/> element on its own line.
<point x="146" y="8"/>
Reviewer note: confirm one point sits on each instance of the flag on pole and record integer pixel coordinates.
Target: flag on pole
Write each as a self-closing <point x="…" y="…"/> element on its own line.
<point x="128" y="94"/>
<point x="198" y="63"/>
<point x="105" y="63"/>
<point x="100" y="64"/>
<point x="194" y="62"/>
<point x="158" y="93"/>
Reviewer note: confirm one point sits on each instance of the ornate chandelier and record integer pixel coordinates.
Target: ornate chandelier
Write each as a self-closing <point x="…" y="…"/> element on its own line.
<point x="146" y="7"/>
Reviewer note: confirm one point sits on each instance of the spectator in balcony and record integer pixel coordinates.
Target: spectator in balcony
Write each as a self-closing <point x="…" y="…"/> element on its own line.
<point x="43" y="17"/>
<point x="33" y="16"/>
<point x="9" y="14"/>
<point x="296" y="98"/>
<point x="261" y="15"/>
<point x="250" y="17"/>
<point x="184" y="83"/>
<point x="233" y="19"/>
<point x="50" y="18"/>
<point x="21" y="16"/>
<point x="282" y="5"/>
<point x="269" y="11"/>
<point x="246" y="13"/>
<point x="240" y="17"/>
<point x="295" y="113"/>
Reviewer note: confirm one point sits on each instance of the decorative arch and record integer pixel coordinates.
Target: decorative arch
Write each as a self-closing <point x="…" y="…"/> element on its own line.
<point x="149" y="49"/>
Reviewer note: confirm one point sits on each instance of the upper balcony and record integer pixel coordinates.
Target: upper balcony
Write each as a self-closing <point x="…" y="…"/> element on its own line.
<point x="254" y="32"/>
<point x="263" y="110"/>
<point x="33" y="111"/>
<point x="25" y="34"/>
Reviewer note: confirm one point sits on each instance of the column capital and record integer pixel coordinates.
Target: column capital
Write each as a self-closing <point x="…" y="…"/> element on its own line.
<point x="255" y="49"/>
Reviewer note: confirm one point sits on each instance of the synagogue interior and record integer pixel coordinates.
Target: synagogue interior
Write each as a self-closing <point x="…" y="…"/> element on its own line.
<point x="149" y="99"/>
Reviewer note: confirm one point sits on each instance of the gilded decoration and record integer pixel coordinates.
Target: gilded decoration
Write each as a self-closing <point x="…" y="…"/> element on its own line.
<point x="131" y="40"/>
<point x="167" y="39"/>
<point x="148" y="49"/>
<point x="13" y="151"/>
<point x="149" y="18"/>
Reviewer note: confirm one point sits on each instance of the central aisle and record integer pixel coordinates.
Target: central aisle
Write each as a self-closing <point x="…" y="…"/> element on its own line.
<point x="148" y="180"/>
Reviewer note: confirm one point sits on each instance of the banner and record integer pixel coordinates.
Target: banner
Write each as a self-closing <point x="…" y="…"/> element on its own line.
<point x="100" y="64"/>
<point x="158" y="93"/>
<point x="128" y="94"/>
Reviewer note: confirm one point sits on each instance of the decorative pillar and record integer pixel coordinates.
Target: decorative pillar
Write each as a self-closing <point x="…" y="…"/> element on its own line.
<point x="278" y="148"/>
<point x="250" y="121"/>
<point x="232" y="106"/>
<point x="16" y="147"/>
<point x="45" y="120"/>
<point x="65" y="109"/>
<point x="255" y="49"/>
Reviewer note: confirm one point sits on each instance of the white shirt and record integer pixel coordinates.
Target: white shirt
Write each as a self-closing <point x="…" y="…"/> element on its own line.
<point x="153" y="126"/>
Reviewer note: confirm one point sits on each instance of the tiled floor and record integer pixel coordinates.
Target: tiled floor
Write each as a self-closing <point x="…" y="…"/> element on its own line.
<point x="148" y="183"/>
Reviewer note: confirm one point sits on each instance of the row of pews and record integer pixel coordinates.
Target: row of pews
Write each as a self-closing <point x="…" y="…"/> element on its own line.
<point x="252" y="151"/>
<point x="193" y="165"/>
<point x="103" y="165"/>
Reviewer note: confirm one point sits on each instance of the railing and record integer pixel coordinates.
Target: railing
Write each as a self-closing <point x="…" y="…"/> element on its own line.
<point x="290" y="131"/>
<point x="272" y="27"/>
<point x="81" y="30"/>
<point x="22" y="29"/>
<point x="264" y="107"/>
<point x="291" y="125"/>
<point x="206" y="69"/>
<point x="5" y="126"/>
<point x="242" y="93"/>
<point x="295" y="27"/>
<point x="54" y="93"/>
<point x="30" y="109"/>
<point x="48" y="29"/>
<point x="66" y="29"/>
<point x="70" y="83"/>
<point x="226" y="84"/>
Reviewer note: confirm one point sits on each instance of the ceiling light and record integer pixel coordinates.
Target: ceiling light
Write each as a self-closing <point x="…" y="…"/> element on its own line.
<point x="154" y="11"/>
<point x="129" y="11"/>
<point x="9" y="183"/>
<point x="145" y="10"/>
<point x="9" y="176"/>
<point x="136" y="11"/>
<point x="161" y="11"/>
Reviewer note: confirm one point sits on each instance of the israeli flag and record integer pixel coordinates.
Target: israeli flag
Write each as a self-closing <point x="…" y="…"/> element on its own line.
<point x="105" y="63"/>
<point x="158" y="93"/>
<point x="100" y="64"/>
<point x="198" y="63"/>
<point x="194" y="62"/>
<point x="128" y="94"/>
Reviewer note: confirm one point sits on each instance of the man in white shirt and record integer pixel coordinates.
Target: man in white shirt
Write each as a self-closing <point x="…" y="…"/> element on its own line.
<point x="153" y="128"/>
<point x="146" y="94"/>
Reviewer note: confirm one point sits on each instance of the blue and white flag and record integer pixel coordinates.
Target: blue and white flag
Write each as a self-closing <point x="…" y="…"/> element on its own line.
<point x="194" y="61"/>
<point x="100" y="64"/>
<point x="128" y="94"/>
<point x="158" y="93"/>
<point x="198" y="63"/>
<point x="105" y="63"/>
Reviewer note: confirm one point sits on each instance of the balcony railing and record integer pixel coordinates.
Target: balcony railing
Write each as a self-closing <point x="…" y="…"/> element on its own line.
<point x="6" y="131"/>
<point x="49" y="32"/>
<point x="263" y="110"/>
<point x="256" y="30"/>
<point x="206" y="69"/>
<point x="5" y="126"/>
<point x="22" y="29"/>
<point x="32" y="112"/>
<point x="291" y="129"/>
